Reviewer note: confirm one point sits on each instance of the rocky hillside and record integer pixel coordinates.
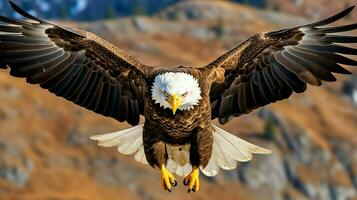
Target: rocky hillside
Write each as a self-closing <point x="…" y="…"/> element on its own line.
<point x="46" y="154"/>
<point x="313" y="9"/>
<point x="89" y="10"/>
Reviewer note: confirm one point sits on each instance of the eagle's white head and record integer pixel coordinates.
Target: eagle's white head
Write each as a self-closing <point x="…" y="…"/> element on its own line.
<point x="176" y="91"/>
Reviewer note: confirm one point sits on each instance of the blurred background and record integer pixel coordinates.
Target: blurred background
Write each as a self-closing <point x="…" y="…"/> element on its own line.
<point x="45" y="151"/>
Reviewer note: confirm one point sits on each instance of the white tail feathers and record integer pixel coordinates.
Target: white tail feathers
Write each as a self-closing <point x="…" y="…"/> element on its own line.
<point x="127" y="141"/>
<point x="227" y="150"/>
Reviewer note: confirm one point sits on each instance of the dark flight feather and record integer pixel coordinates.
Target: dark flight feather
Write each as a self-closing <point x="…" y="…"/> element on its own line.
<point x="74" y="64"/>
<point x="284" y="61"/>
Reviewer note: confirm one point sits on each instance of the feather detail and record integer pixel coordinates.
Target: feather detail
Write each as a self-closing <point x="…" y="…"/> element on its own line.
<point x="140" y="156"/>
<point x="74" y="64"/>
<point x="270" y="66"/>
<point x="227" y="150"/>
<point x="178" y="169"/>
<point x="179" y="159"/>
<point x="176" y="83"/>
<point x="127" y="141"/>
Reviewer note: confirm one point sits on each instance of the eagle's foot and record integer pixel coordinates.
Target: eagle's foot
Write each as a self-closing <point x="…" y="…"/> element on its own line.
<point x="192" y="180"/>
<point x="167" y="179"/>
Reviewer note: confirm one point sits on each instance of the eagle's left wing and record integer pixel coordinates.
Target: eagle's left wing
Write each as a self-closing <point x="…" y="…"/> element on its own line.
<point x="271" y="66"/>
<point x="76" y="65"/>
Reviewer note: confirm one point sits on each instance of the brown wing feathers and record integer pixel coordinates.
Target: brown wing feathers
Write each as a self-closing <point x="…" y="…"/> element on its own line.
<point x="76" y="65"/>
<point x="271" y="66"/>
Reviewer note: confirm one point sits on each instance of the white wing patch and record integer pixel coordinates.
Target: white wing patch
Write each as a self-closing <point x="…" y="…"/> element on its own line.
<point x="227" y="150"/>
<point x="127" y="141"/>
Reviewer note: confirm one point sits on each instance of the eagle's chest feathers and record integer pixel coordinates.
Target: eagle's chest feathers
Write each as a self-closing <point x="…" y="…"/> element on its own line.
<point x="181" y="123"/>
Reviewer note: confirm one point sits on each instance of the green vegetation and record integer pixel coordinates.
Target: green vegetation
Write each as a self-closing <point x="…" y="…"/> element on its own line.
<point x="139" y="9"/>
<point x="270" y="129"/>
<point x="110" y="12"/>
<point x="257" y="3"/>
<point x="64" y="13"/>
<point x="218" y="28"/>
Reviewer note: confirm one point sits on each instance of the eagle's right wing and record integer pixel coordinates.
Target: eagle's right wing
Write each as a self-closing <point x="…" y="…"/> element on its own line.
<point x="270" y="66"/>
<point x="74" y="64"/>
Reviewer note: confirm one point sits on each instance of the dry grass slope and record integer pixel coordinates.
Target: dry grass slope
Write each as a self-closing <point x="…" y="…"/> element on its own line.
<point x="46" y="154"/>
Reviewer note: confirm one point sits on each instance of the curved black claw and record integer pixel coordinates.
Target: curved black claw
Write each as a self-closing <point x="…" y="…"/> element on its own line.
<point x="189" y="190"/>
<point x="184" y="182"/>
<point x="193" y="190"/>
<point x="169" y="190"/>
<point x="174" y="184"/>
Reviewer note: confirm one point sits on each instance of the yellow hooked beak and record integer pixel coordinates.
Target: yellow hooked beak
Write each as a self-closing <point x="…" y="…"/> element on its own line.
<point x="175" y="103"/>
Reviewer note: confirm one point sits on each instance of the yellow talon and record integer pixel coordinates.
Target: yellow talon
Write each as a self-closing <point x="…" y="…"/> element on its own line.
<point x="192" y="180"/>
<point x="167" y="179"/>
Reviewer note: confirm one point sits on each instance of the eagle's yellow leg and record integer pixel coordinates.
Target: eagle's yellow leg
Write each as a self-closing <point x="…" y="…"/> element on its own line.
<point x="192" y="180"/>
<point x="167" y="179"/>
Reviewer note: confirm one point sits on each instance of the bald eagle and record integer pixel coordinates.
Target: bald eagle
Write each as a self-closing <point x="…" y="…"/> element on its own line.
<point x="178" y="104"/>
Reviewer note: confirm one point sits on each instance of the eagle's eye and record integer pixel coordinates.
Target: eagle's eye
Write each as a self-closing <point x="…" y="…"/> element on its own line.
<point x="166" y="94"/>
<point x="184" y="94"/>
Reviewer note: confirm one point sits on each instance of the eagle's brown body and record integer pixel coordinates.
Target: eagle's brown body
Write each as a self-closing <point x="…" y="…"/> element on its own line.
<point x="185" y="127"/>
<point x="87" y="70"/>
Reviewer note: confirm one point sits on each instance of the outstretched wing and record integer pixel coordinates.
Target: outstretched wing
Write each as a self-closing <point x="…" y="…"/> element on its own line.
<point x="74" y="64"/>
<point x="271" y="66"/>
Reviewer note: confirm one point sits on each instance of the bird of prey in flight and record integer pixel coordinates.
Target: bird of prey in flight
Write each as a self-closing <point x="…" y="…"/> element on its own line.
<point x="178" y="103"/>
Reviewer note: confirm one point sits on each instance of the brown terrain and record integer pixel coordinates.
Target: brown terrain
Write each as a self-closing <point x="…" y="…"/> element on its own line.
<point x="44" y="140"/>
<point x="313" y="9"/>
